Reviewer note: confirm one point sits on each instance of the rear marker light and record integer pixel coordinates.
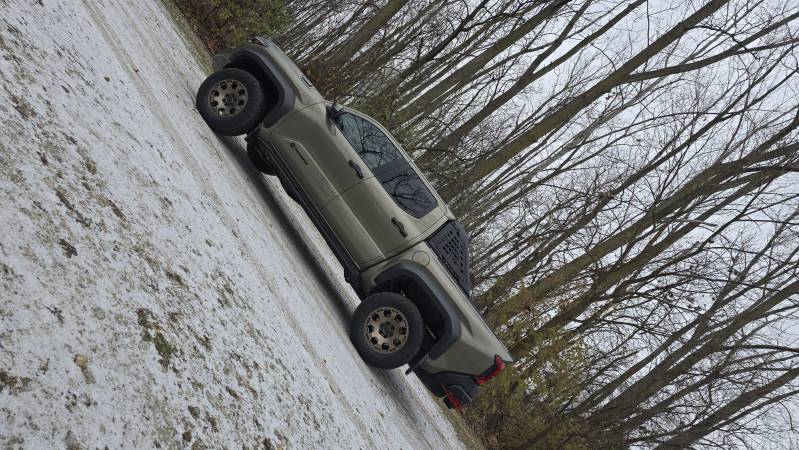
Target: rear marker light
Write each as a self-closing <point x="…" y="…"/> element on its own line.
<point x="499" y="366"/>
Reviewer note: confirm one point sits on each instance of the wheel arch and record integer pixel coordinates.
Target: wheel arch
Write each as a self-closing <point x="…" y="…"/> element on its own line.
<point x="271" y="79"/>
<point x="420" y="288"/>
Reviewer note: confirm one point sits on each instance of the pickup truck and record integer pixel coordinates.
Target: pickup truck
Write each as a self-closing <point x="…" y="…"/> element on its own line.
<point x="403" y="252"/>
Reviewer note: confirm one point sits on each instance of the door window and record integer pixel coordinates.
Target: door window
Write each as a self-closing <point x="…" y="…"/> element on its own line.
<point x="375" y="148"/>
<point x="386" y="161"/>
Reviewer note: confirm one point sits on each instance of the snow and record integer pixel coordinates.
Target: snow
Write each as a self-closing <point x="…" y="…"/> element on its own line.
<point x="155" y="291"/>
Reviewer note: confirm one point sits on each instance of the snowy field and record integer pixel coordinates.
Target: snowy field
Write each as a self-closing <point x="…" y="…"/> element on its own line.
<point x="155" y="291"/>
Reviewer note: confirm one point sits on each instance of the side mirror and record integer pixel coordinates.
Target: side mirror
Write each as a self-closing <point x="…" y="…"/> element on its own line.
<point x="334" y="111"/>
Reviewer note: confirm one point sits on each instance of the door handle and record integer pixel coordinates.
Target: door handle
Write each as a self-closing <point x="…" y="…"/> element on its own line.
<point x="356" y="168"/>
<point x="400" y="226"/>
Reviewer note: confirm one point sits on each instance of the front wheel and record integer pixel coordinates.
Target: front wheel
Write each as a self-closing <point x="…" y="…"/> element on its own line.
<point x="387" y="330"/>
<point x="231" y="101"/>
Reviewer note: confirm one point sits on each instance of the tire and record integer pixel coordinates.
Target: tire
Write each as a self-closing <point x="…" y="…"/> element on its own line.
<point x="231" y="101"/>
<point x="386" y="348"/>
<point x="259" y="161"/>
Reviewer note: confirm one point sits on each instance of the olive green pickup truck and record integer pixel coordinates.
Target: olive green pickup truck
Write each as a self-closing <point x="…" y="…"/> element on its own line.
<point x="402" y="250"/>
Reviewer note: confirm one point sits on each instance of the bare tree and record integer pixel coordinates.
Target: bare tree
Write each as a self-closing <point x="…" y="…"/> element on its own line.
<point x="627" y="171"/>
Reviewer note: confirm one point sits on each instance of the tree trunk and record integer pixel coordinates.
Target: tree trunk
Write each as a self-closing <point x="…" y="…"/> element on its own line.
<point x="686" y="438"/>
<point x="527" y="78"/>
<point x="428" y="99"/>
<point x="570" y="109"/>
<point x="369" y="29"/>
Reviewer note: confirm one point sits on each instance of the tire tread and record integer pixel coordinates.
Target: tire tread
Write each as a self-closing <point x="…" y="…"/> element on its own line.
<point x="415" y="330"/>
<point x="246" y="120"/>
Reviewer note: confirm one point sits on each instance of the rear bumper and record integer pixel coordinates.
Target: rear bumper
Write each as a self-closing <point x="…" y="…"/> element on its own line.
<point x="457" y="389"/>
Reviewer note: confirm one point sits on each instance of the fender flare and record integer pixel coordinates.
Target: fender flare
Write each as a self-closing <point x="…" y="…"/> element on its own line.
<point x="435" y="294"/>
<point x="285" y="92"/>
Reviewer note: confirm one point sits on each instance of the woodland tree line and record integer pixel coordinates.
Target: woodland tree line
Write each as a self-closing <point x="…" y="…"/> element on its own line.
<point x="627" y="171"/>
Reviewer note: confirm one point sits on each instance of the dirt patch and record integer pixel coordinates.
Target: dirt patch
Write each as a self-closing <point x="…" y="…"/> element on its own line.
<point x="23" y="107"/>
<point x="82" y="361"/>
<point x="232" y="393"/>
<point x="175" y="277"/>
<point x="90" y="165"/>
<point x="151" y="261"/>
<point x="226" y="294"/>
<point x="43" y="159"/>
<point x="68" y="248"/>
<point x="152" y="332"/>
<point x="80" y="218"/>
<point x="204" y="340"/>
<point x="213" y="421"/>
<point x="57" y="312"/>
<point x="71" y="442"/>
<point x="117" y="211"/>
<point x="7" y="271"/>
<point x="14" y="384"/>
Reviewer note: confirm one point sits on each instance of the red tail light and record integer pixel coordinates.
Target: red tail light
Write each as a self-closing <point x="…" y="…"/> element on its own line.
<point x="499" y="366"/>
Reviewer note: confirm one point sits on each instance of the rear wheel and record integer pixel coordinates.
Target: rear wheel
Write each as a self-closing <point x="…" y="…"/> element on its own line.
<point x="231" y="101"/>
<point x="387" y="330"/>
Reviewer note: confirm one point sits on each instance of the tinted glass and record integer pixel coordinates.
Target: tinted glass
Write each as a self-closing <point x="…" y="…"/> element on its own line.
<point x="372" y="144"/>
<point x="406" y="188"/>
<point x="399" y="179"/>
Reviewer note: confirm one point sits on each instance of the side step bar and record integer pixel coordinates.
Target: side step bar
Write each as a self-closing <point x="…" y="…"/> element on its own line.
<point x="351" y="272"/>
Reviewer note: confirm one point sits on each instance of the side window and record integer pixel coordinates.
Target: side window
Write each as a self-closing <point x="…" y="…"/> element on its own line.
<point x="406" y="188"/>
<point x="398" y="177"/>
<point x="372" y="144"/>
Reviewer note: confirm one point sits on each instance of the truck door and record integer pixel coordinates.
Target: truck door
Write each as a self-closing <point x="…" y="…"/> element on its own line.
<point x="317" y="154"/>
<point x="391" y="206"/>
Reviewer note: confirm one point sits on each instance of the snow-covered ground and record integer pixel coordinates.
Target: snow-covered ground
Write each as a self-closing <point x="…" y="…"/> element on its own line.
<point x="155" y="291"/>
